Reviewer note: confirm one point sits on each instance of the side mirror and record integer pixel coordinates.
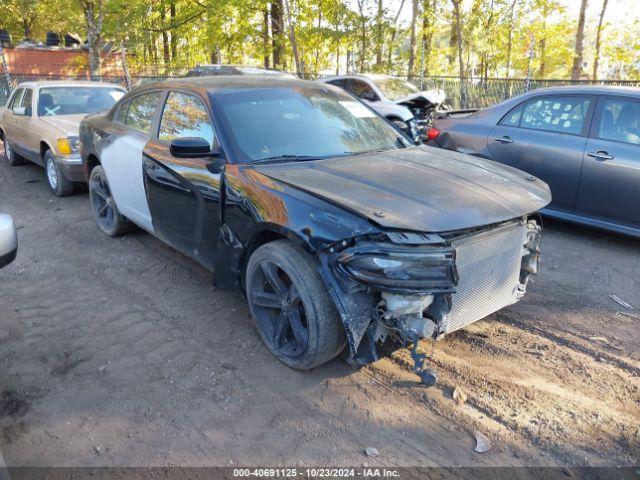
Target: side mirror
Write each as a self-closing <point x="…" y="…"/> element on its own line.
<point x="192" y="147"/>
<point x="8" y="240"/>
<point x="20" y="111"/>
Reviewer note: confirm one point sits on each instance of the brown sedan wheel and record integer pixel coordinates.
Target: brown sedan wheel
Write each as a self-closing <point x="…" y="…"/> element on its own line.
<point x="58" y="183"/>
<point x="10" y="155"/>
<point x="291" y="307"/>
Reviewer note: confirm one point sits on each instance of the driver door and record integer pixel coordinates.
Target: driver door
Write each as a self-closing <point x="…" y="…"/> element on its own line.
<point x="184" y="193"/>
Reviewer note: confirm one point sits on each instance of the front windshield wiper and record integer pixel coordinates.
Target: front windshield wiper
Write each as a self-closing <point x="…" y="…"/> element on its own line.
<point x="284" y="158"/>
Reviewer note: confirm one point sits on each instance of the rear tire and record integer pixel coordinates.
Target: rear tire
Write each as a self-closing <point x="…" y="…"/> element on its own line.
<point x="57" y="182"/>
<point x="291" y="306"/>
<point x="104" y="206"/>
<point x="10" y="155"/>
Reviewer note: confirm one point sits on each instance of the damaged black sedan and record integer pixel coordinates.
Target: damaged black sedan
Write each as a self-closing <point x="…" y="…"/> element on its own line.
<point x="341" y="232"/>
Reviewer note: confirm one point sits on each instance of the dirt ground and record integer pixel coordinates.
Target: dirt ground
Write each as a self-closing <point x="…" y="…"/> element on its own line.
<point x="120" y="352"/>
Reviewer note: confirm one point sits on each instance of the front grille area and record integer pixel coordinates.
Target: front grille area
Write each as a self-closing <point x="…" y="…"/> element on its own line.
<point x="489" y="269"/>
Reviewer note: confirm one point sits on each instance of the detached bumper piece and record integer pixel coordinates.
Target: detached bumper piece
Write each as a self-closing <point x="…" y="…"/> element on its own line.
<point x="410" y="286"/>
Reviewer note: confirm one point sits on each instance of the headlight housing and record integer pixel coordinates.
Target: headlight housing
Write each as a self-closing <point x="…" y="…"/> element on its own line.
<point x="69" y="145"/>
<point x="399" y="268"/>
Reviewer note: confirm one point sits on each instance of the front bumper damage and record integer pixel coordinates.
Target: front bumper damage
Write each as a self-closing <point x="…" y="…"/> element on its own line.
<point x="402" y="287"/>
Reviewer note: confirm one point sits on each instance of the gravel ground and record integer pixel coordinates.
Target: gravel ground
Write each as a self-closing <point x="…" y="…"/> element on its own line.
<point x="120" y="352"/>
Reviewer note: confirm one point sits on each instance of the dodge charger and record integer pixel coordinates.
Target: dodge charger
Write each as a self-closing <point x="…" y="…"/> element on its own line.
<point x="342" y="233"/>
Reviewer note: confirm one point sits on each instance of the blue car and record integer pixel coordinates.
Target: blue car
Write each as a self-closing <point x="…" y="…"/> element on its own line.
<point x="584" y="142"/>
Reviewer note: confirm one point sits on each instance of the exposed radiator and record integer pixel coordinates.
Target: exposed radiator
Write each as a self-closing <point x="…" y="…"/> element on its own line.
<point x="489" y="270"/>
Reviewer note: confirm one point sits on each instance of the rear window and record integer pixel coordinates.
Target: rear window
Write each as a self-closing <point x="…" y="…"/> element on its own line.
<point x="141" y="112"/>
<point x="561" y="114"/>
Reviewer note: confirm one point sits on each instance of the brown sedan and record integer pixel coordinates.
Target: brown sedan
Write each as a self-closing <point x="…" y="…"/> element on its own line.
<point x="40" y="123"/>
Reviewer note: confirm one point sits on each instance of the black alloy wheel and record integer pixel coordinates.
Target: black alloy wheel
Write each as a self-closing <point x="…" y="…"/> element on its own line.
<point x="104" y="206"/>
<point x="290" y="304"/>
<point x="279" y="310"/>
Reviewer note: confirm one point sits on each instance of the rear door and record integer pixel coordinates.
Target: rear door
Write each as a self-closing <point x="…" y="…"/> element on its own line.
<point x="610" y="182"/>
<point x="184" y="193"/>
<point x="122" y="157"/>
<point x="546" y="137"/>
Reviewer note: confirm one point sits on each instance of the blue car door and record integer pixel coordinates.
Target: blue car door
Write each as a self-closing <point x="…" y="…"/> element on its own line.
<point x="546" y="137"/>
<point x="610" y="183"/>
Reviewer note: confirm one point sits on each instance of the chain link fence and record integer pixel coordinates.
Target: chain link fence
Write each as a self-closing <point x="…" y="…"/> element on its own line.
<point x="465" y="93"/>
<point x="479" y="93"/>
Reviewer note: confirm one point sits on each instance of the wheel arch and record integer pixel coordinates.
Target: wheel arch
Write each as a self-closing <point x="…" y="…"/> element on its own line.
<point x="44" y="147"/>
<point x="265" y="233"/>
<point x="1" y="133"/>
<point x="91" y="162"/>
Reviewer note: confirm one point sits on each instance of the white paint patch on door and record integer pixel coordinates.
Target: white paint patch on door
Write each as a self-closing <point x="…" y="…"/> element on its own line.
<point x="122" y="162"/>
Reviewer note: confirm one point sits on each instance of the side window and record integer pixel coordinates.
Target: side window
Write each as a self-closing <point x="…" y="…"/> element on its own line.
<point x="512" y="119"/>
<point x="619" y="121"/>
<point x="121" y="113"/>
<point x="185" y="116"/>
<point x="141" y="111"/>
<point x="341" y="82"/>
<point x="556" y="114"/>
<point x="363" y="90"/>
<point x="16" y="99"/>
<point x="27" y="101"/>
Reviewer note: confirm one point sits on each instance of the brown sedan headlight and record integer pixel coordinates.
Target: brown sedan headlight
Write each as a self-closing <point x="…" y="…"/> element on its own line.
<point x="420" y="269"/>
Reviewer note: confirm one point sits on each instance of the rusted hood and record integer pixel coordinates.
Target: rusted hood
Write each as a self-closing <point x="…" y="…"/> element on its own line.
<point x="421" y="188"/>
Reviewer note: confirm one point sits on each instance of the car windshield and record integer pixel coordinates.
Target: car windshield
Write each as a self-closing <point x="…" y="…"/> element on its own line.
<point x="56" y="101"/>
<point x="395" y="88"/>
<point x="307" y="122"/>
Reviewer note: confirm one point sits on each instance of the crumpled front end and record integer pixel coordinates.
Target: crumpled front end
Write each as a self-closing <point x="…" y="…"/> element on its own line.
<point x="407" y="286"/>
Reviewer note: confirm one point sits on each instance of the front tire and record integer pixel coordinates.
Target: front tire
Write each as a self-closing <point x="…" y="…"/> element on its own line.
<point x="12" y="157"/>
<point x="104" y="206"/>
<point x="291" y="306"/>
<point x="57" y="182"/>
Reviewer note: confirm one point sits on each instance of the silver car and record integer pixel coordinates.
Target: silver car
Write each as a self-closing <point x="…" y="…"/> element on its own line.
<point x="8" y="240"/>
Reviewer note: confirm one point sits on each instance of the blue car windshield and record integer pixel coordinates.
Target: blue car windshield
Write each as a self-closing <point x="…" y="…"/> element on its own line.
<point x="307" y="122"/>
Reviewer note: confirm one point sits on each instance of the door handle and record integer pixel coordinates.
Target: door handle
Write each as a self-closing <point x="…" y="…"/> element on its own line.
<point x="600" y="155"/>
<point x="505" y="139"/>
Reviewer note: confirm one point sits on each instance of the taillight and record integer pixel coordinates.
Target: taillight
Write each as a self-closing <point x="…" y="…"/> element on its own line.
<point x="432" y="133"/>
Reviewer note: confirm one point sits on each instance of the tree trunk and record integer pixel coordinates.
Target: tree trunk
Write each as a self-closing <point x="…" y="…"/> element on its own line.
<point x="412" y="39"/>
<point x="379" y="34"/>
<point x="543" y="42"/>
<point x="292" y="39"/>
<point x="265" y="37"/>
<point x="596" y="57"/>
<point x="363" y="36"/>
<point x="277" y="33"/>
<point x="394" y="32"/>
<point x="427" y="33"/>
<point x="457" y="26"/>
<point x="510" y="36"/>
<point x="94" y="17"/>
<point x="174" y="37"/>
<point x="165" y="35"/>
<point x="26" y="27"/>
<point x="576" y="70"/>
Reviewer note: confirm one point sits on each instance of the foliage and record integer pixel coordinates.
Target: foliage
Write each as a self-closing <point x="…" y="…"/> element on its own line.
<point x="331" y="36"/>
